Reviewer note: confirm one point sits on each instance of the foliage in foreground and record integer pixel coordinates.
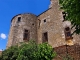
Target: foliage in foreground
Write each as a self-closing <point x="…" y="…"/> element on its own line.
<point x="68" y="57"/>
<point x="72" y="8"/>
<point x="29" y="51"/>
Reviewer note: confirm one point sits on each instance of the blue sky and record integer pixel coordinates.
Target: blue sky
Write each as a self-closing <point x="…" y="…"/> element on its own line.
<point x="10" y="8"/>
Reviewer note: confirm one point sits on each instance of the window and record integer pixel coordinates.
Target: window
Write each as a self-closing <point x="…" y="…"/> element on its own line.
<point x="67" y="29"/>
<point x="33" y="24"/>
<point x="26" y="35"/>
<point x="44" y="20"/>
<point x="19" y="19"/>
<point x="45" y="37"/>
<point x="67" y="33"/>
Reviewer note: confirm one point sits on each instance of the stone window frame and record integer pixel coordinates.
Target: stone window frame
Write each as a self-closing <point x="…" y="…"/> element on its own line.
<point x="47" y="19"/>
<point x="44" y="39"/>
<point x="41" y="21"/>
<point x="24" y="38"/>
<point x="66" y="31"/>
<point x="15" y="21"/>
<point x="19" y="19"/>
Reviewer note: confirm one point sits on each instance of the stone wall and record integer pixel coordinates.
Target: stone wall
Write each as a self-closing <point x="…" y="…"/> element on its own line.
<point x="28" y="22"/>
<point x="65" y="51"/>
<point x="53" y="26"/>
<point x="50" y="21"/>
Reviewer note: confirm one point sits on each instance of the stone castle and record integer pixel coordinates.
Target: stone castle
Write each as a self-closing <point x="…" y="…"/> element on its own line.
<point x="50" y="26"/>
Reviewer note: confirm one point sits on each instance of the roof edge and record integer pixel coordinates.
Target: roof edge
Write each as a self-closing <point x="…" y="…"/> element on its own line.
<point x="43" y="12"/>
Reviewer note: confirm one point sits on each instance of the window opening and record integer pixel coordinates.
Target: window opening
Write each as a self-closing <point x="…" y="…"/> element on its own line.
<point x="45" y="37"/>
<point x="68" y="33"/>
<point x="33" y="24"/>
<point x="26" y="35"/>
<point x="19" y="19"/>
<point x="67" y="29"/>
<point x="44" y="20"/>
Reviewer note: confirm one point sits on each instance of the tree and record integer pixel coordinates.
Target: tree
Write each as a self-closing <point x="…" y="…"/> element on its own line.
<point x="29" y="51"/>
<point x="46" y="52"/>
<point x="10" y="54"/>
<point x="72" y="8"/>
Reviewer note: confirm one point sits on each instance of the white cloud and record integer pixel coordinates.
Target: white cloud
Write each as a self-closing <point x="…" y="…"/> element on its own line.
<point x="3" y="36"/>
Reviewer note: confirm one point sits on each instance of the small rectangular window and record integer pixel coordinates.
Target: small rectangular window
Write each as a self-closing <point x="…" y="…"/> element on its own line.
<point x="26" y="31"/>
<point x="19" y="19"/>
<point x="44" y="20"/>
<point x="68" y="33"/>
<point x="45" y="37"/>
<point x="26" y="35"/>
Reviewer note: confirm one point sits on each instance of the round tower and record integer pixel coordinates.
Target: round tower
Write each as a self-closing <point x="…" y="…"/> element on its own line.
<point x="23" y="28"/>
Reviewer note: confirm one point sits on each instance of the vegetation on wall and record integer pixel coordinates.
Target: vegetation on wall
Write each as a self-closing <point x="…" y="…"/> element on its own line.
<point x="72" y="9"/>
<point x="68" y="57"/>
<point x="29" y="51"/>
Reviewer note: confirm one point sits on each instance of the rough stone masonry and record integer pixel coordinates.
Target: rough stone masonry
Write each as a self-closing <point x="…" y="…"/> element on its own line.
<point x="46" y="27"/>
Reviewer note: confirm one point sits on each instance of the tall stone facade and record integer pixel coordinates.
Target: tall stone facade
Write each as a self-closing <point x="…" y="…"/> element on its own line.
<point x="46" y="27"/>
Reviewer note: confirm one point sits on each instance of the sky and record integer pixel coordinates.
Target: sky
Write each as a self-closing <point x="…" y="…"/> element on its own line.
<point x="10" y="8"/>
